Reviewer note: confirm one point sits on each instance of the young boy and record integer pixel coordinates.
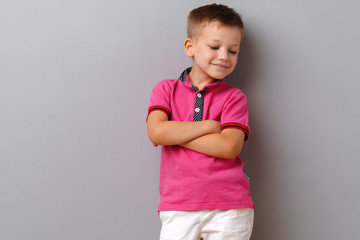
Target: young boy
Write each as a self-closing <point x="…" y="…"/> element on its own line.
<point x="201" y="123"/>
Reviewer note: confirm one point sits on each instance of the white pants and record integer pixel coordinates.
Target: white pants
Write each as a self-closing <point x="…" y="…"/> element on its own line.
<point x="234" y="224"/>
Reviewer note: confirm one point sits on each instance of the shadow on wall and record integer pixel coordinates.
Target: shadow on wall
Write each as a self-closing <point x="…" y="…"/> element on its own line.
<point x="254" y="152"/>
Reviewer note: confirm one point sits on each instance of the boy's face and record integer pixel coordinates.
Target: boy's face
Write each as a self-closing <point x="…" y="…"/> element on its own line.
<point x="214" y="51"/>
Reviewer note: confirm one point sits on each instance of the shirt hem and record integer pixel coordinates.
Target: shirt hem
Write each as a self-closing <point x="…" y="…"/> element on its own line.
<point x="172" y="207"/>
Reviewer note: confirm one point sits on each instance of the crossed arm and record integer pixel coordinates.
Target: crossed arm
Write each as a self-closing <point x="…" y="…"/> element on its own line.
<point x="204" y="136"/>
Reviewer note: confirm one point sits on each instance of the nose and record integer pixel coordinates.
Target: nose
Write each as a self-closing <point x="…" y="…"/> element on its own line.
<point x="223" y="55"/>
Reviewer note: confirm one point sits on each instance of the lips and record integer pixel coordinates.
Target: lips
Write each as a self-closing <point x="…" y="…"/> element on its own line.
<point x="220" y="65"/>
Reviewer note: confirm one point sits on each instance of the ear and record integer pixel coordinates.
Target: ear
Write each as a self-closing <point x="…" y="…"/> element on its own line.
<point x="188" y="46"/>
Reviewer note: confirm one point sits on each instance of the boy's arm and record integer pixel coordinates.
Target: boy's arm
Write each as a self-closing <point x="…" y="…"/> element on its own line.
<point x="227" y="144"/>
<point x="164" y="132"/>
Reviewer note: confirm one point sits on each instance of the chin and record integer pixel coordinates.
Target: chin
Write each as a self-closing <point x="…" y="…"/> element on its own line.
<point x="219" y="76"/>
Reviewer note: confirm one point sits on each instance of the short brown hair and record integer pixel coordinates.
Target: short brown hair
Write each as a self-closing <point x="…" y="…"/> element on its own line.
<point x="203" y="15"/>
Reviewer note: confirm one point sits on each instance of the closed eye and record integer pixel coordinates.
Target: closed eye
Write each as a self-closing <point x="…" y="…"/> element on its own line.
<point x="233" y="52"/>
<point x="214" y="47"/>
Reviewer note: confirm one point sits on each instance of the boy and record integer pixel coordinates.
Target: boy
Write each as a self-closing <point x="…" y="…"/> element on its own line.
<point x="201" y="123"/>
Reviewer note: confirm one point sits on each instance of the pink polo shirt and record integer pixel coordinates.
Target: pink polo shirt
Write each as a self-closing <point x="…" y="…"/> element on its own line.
<point x="194" y="181"/>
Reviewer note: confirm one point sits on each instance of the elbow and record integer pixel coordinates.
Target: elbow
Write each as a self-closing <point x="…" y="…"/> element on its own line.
<point x="153" y="135"/>
<point x="157" y="135"/>
<point x="232" y="151"/>
<point x="229" y="155"/>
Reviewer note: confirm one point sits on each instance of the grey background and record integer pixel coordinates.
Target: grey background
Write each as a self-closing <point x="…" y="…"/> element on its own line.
<point x="76" y="77"/>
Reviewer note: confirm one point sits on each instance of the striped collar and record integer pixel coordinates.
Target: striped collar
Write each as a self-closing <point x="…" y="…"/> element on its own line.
<point x="184" y="74"/>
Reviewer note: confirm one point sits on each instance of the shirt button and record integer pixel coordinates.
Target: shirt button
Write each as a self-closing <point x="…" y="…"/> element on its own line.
<point x="199" y="95"/>
<point x="197" y="109"/>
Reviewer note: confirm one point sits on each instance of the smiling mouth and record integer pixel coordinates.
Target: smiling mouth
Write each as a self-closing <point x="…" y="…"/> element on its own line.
<point x="219" y="65"/>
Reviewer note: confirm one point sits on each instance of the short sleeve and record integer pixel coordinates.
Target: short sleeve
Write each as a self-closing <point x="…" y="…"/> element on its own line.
<point x="235" y="113"/>
<point x="160" y="98"/>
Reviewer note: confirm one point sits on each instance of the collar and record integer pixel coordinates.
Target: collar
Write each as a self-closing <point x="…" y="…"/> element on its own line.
<point x="184" y="77"/>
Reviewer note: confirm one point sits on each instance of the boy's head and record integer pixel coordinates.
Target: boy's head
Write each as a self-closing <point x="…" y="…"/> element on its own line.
<point x="199" y="17"/>
<point x="214" y="36"/>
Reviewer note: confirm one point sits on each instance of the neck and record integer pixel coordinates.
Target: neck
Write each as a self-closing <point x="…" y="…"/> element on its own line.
<point x="200" y="80"/>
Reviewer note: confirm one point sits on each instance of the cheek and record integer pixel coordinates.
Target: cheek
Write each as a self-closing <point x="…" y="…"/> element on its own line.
<point x="234" y="59"/>
<point x="207" y="56"/>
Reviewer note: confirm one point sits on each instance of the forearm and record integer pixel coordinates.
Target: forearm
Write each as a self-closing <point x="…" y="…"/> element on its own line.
<point x="220" y="145"/>
<point x="176" y="132"/>
<point x="164" y="132"/>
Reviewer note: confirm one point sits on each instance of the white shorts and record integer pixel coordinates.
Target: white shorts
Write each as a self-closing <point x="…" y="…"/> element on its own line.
<point x="234" y="224"/>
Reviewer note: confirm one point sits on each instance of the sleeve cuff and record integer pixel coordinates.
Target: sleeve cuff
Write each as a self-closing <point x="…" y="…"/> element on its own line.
<point x="238" y="126"/>
<point x="158" y="108"/>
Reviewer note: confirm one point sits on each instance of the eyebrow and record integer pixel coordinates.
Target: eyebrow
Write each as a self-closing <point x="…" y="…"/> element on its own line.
<point x="233" y="45"/>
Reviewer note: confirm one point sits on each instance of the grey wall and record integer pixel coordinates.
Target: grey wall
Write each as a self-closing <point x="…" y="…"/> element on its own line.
<point x="75" y="81"/>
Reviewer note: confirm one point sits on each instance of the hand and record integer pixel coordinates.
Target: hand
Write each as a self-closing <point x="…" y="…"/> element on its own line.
<point x="215" y="126"/>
